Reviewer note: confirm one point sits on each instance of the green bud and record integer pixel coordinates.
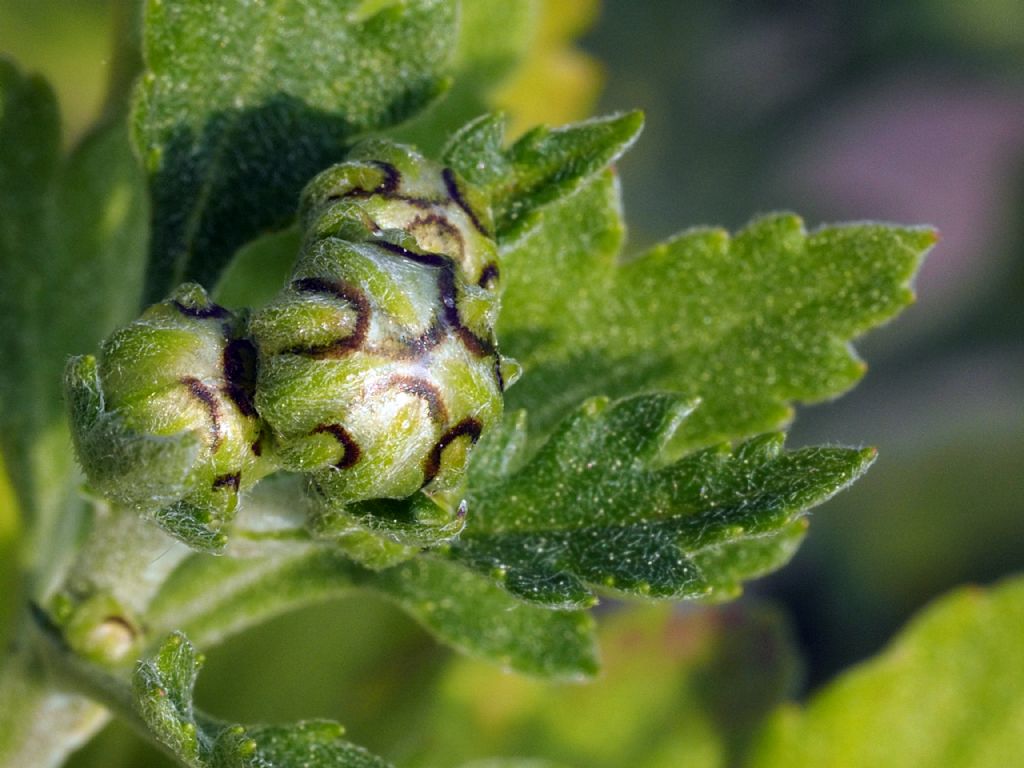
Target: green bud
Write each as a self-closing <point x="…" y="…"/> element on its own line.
<point x="163" y="420"/>
<point x="98" y="628"/>
<point x="379" y="369"/>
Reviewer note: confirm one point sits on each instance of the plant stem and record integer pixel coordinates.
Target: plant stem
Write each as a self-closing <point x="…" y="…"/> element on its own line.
<point x="40" y="722"/>
<point x="124" y="555"/>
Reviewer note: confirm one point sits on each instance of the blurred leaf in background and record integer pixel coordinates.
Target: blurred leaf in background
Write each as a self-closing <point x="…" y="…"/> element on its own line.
<point x="948" y="691"/>
<point x="558" y="81"/>
<point x="518" y="57"/>
<point x="679" y="688"/>
<point x="10" y="532"/>
<point x="941" y="508"/>
<point x="69" y="43"/>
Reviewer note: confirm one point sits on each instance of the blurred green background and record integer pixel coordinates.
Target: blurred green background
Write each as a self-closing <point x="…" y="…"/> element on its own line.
<point x="910" y="112"/>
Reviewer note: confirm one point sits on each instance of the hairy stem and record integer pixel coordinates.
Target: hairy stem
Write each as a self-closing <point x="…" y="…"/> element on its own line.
<point x="41" y="721"/>
<point x="126" y="556"/>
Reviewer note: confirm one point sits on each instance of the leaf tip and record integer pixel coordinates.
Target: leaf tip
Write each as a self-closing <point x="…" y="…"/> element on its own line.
<point x="632" y="123"/>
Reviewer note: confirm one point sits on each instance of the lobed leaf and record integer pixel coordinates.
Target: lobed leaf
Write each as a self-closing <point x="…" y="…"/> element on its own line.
<point x="242" y="103"/>
<point x="598" y="505"/>
<point x="748" y="324"/>
<point x="543" y="166"/>
<point x="210" y="598"/>
<point x="948" y="691"/>
<point x="163" y="689"/>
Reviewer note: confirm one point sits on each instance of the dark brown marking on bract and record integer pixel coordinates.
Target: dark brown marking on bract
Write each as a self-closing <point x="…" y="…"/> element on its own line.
<point x="257" y="446"/>
<point x="497" y="373"/>
<point x="430" y="259"/>
<point x="213" y="310"/>
<point x="350" y="447"/>
<point x="449" y="301"/>
<point x="387" y="187"/>
<point x="208" y="398"/>
<point x="345" y="292"/>
<point x="452" y="185"/>
<point x="392" y="178"/>
<point x="423" y="389"/>
<point x="230" y="480"/>
<point x="476" y="345"/>
<point x="240" y="362"/>
<point x="404" y="348"/>
<point x="449" y="296"/>
<point x="488" y="275"/>
<point x="426" y="341"/>
<point x="436" y="221"/>
<point x="446" y="286"/>
<point x="468" y="427"/>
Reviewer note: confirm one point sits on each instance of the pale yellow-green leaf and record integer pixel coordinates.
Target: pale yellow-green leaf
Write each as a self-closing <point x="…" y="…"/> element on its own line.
<point x="949" y="692"/>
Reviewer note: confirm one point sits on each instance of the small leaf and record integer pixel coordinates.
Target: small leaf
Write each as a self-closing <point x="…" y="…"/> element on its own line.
<point x="230" y="131"/>
<point x="598" y="506"/>
<point x="163" y="688"/>
<point x="543" y="166"/>
<point x="948" y="691"/>
<point x="213" y="597"/>
<point x="748" y="324"/>
<point x="313" y="743"/>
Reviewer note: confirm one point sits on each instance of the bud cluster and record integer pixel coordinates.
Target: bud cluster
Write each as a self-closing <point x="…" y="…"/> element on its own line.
<point x="374" y="371"/>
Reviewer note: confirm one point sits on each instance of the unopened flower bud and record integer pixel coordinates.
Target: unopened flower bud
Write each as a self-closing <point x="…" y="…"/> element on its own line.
<point x="379" y="368"/>
<point x="163" y="420"/>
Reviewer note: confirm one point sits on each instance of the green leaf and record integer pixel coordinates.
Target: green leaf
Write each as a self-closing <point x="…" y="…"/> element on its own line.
<point x="677" y="689"/>
<point x="543" y="166"/>
<point x="213" y="597"/>
<point x="29" y="159"/>
<point x="748" y="324"/>
<point x="231" y="131"/>
<point x="598" y="505"/>
<point x="163" y="688"/>
<point x="474" y="615"/>
<point x="10" y="567"/>
<point x="949" y="691"/>
<point x="72" y="241"/>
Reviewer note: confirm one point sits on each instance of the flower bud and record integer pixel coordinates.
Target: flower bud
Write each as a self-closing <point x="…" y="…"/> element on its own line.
<point x="163" y="420"/>
<point x="379" y="368"/>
